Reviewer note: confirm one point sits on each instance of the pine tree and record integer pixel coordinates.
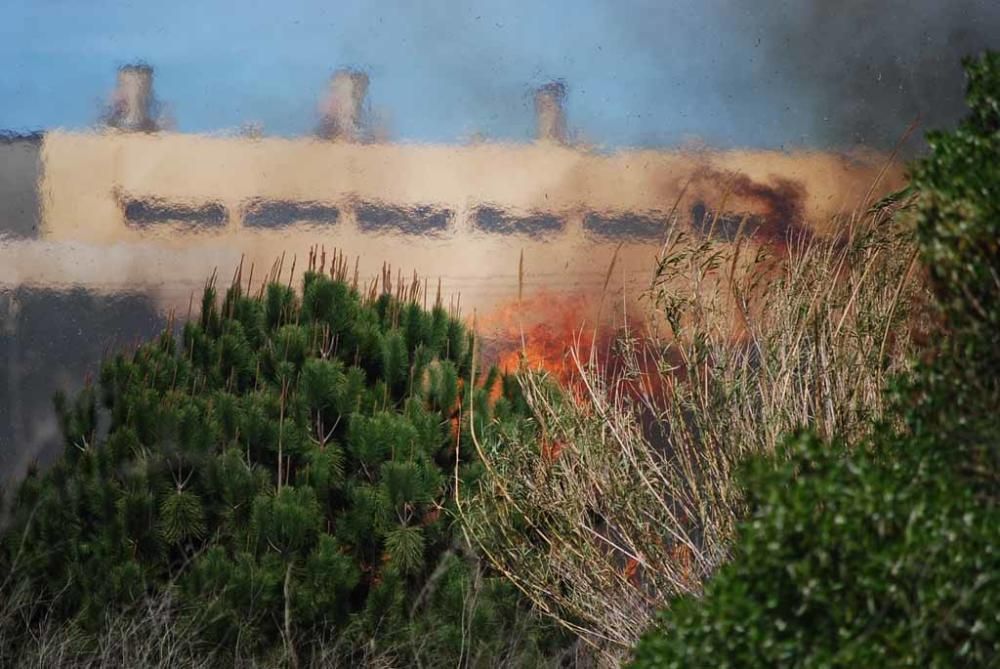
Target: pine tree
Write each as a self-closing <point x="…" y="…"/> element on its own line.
<point x="284" y="466"/>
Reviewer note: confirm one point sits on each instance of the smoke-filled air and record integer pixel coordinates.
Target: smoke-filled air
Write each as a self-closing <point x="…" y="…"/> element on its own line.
<point x="499" y="334"/>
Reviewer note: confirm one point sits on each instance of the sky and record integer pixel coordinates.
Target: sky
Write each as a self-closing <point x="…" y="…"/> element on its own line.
<point x="726" y="73"/>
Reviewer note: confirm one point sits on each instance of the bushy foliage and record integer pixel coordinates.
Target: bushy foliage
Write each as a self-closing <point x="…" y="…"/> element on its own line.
<point x="884" y="553"/>
<point x="284" y="469"/>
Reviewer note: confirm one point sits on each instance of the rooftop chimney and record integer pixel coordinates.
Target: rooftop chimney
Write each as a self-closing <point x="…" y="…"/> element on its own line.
<point x="342" y="108"/>
<point x="549" y="114"/>
<point x="132" y="102"/>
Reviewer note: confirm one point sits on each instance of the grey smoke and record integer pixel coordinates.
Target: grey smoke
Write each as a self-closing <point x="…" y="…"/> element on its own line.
<point x="816" y="74"/>
<point x="824" y="74"/>
<point x="868" y="68"/>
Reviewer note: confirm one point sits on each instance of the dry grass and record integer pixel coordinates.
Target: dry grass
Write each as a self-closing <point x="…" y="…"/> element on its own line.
<point x="627" y="498"/>
<point x="151" y="635"/>
<point x="158" y="634"/>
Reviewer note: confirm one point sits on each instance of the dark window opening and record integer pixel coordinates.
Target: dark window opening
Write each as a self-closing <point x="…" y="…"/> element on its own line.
<point x="723" y="225"/>
<point x="20" y="182"/>
<point x="415" y="220"/>
<point x="626" y="225"/>
<point x="155" y="211"/>
<point x="260" y="213"/>
<point x="495" y="220"/>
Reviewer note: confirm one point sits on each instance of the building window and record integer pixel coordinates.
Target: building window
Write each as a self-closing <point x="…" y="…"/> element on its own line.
<point x="723" y="225"/>
<point x="495" y="220"/>
<point x="413" y="220"/>
<point x="627" y="225"/>
<point x="261" y="213"/>
<point x="145" y="212"/>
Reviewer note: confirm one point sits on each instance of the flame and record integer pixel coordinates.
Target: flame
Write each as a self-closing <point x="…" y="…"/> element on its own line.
<point x="555" y="332"/>
<point x="540" y="331"/>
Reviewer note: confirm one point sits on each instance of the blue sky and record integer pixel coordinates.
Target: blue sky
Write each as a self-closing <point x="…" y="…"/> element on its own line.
<point x="639" y="73"/>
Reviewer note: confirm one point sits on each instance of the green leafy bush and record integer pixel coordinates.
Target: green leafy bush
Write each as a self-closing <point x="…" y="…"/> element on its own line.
<point x="284" y="470"/>
<point x="884" y="553"/>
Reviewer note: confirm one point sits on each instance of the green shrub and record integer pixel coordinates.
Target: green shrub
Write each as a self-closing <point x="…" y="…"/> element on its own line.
<point x="284" y="471"/>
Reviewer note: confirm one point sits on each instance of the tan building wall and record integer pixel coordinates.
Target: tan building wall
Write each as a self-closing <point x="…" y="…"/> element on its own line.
<point x="567" y="210"/>
<point x="86" y="175"/>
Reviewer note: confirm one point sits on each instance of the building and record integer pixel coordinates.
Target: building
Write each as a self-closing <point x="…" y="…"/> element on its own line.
<point x="152" y="207"/>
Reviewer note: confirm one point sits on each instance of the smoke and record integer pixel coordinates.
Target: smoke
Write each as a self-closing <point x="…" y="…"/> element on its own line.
<point x="868" y="68"/>
<point x="772" y="212"/>
<point x="825" y="74"/>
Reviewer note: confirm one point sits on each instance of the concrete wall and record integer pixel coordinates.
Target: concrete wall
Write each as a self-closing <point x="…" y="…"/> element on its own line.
<point x="50" y="341"/>
<point x="159" y="212"/>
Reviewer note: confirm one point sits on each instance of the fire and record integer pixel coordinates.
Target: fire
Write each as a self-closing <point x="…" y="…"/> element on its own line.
<point x="551" y="332"/>
<point x="630" y="349"/>
<point x="540" y="332"/>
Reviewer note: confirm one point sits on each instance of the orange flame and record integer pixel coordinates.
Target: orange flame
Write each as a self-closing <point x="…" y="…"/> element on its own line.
<point x="551" y="331"/>
<point x="539" y="332"/>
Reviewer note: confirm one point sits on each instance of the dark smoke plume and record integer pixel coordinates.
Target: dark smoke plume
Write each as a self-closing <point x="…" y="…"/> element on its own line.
<point x="840" y="72"/>
<point x="870" y="67"/>
<point x="778" y="206"/>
